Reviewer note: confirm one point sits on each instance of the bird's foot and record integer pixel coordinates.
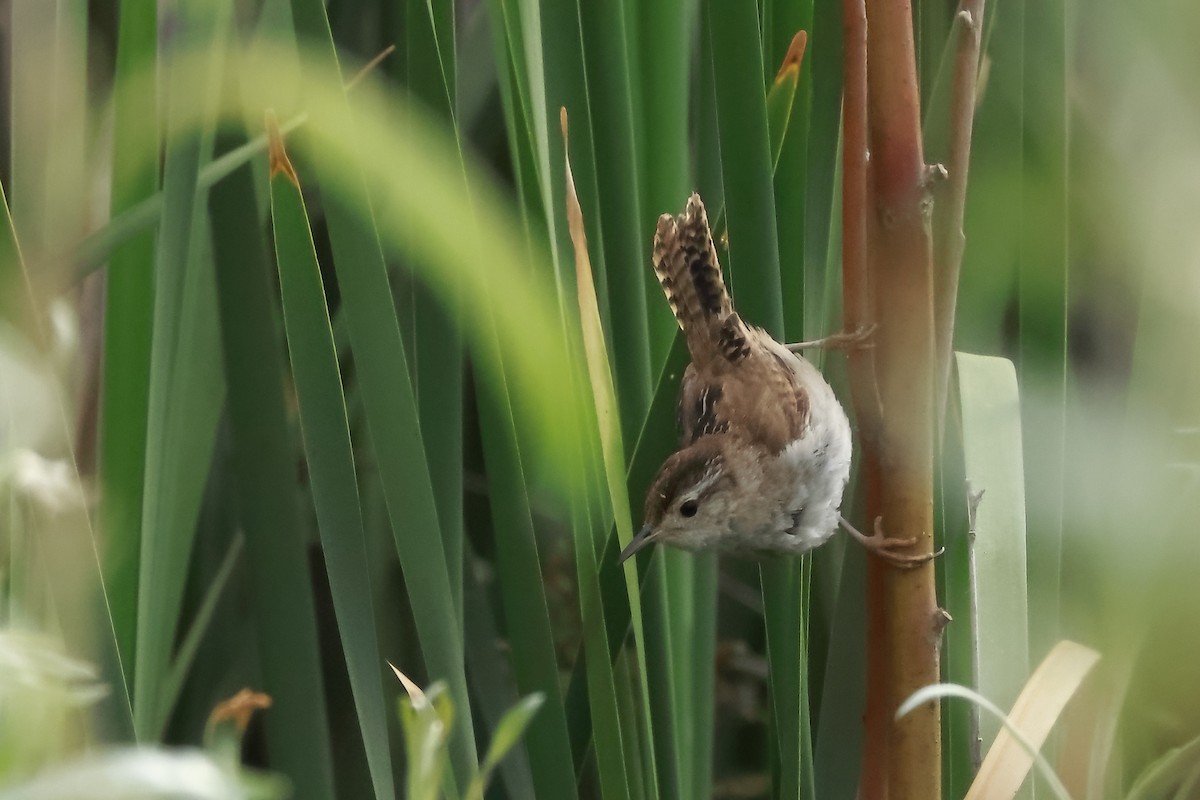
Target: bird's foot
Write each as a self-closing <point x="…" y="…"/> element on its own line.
<point x="887" y="548"/>
<point x="857" y="339"/>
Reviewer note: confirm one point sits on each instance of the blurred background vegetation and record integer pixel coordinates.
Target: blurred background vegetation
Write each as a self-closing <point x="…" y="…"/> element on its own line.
<point x="268" y="434"/>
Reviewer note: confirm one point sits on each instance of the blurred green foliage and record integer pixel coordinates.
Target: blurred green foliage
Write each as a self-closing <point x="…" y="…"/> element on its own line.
<point x="256" y="438"/>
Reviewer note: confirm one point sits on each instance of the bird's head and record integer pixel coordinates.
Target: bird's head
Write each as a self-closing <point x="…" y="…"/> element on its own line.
<point x="688" y="503"/>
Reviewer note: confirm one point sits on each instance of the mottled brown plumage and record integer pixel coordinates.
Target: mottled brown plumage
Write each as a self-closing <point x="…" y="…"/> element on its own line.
<point x="765" y="446"/>
<point x="734" y="369"/>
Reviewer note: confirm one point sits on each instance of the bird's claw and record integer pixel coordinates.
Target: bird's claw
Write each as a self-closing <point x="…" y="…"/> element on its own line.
<point x="888" y="548"/>
<point x="858" y="339"/>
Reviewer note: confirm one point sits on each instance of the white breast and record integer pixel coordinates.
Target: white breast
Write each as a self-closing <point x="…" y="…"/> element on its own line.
<point x="818" y="464"/>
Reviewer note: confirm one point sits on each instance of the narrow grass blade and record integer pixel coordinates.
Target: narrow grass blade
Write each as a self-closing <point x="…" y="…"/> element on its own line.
<point x="505" y="737"/>
<point x="129" y="291"/>
<point x="754" y="272"/>
<point x="707" y="163"/>
<point x="666" y="32"/>
<point x="782" y="96"/>
<point x="839" y="730"/>
<point x="516" y="87"/>
<point x="663" y="620"/>
<point x="521" y="588"/>
<point x="553" y="37"/>
<point x="267" y="492"/>
<point x="788" y="117"/>
<point x="389" y="402"/>
<point x="607" y="42"/>
<point x="702" y="703"/>
<point x="142" y="216"/>
<point x="609" y="758"/>
<point x="657" y="437"/>
<point x="490" y="670"/>
<point x="749" y="195"/>
<point x="185" y="387"/>
<point x="330" y="459"/>
<point x="190" y="643"/>
<point x="821" y="80"/>
<point x="436" y="341"/>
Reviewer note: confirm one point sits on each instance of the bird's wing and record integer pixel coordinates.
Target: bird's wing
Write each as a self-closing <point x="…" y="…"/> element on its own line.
<point x="700" y="410"/>
<point x="763" y="399"/>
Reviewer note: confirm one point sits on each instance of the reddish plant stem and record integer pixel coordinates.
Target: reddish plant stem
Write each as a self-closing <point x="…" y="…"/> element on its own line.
<point x="858" y="311"/>
<point x="949" y="239"/>
<point x="900" y="268"/>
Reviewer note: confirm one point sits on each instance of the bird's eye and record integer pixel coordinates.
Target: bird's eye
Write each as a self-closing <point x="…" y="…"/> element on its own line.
<point x="689" y="508"/>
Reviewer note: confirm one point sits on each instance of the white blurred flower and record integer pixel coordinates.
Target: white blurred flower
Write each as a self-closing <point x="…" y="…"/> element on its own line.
<point x="50" y="483"/>
<point x="133" y="773"/>
<point x="33" y="663"/>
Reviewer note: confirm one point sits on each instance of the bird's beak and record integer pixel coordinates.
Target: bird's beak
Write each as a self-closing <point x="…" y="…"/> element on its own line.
<point x="640" y="540"/>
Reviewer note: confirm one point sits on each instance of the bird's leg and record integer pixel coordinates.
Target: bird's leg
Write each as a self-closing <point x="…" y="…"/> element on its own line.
<point x="854" y="340"/>
<point x="886" y="548"/>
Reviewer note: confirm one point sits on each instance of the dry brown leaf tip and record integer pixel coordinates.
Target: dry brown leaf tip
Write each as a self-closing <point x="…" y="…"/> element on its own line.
<point x="277" y="156"/>
<point x="795" y="53"/>
<point x="239" y="708"/>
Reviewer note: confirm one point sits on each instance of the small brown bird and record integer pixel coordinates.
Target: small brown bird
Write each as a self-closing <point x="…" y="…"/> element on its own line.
<point x="765" y="450"/>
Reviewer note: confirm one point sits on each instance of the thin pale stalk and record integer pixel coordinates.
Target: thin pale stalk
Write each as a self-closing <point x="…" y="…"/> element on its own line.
<point x="858" y="311"/>
<point x="949" y="239"/>
<point x="901" y="270"/>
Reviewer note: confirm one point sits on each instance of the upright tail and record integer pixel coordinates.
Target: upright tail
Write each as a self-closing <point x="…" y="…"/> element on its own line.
<point x="686" y="264"/>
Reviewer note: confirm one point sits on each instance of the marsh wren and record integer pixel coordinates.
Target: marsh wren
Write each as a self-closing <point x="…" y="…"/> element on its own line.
<point x="766" y="446"/>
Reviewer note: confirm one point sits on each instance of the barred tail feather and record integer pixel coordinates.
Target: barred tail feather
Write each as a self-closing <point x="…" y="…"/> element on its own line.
<point x="685" y="261"/>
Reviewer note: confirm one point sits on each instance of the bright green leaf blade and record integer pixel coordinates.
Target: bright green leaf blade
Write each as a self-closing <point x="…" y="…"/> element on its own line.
<point x="747" y="177"/>
<point x="754" y="271"/>
<point x="611" y="763"/>
<point x="665" y="35"/>
<point x="658" y="439"/>
<point x="782" y="96"/>
<point x="663" y="622"/>
<point x="821" y="80"/>
<point x="606" y="39"/>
